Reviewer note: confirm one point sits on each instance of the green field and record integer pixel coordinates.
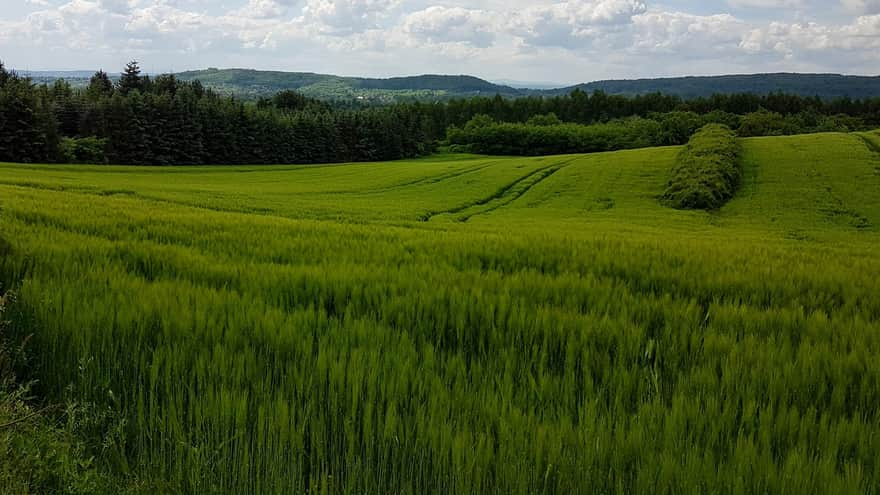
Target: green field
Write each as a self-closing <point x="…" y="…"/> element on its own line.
<point x="464" y="324"/>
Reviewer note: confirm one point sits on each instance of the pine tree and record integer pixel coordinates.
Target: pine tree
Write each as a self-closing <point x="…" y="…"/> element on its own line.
<point x="28" y="128"/>
<point x="4" y="75"/>
<point x="131" y="79"/>
<point x="100" y="85"/>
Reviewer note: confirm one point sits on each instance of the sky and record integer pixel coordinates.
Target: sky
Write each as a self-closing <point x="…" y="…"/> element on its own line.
<point x="549" y="41"/>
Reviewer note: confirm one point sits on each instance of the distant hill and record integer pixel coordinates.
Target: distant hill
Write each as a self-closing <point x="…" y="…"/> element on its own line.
<point x="822" y="85"/>
<point x="249" y="83"/>
<point x="252" y="82"/>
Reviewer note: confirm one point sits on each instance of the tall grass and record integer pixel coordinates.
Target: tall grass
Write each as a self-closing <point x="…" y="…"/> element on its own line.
<point x="259" y="354"/>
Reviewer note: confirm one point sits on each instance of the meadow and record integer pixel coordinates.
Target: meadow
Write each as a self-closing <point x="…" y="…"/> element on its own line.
<point x="462" y="323"/>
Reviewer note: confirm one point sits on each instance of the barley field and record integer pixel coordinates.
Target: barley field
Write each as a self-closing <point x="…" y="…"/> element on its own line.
<point x="464" y="324"/>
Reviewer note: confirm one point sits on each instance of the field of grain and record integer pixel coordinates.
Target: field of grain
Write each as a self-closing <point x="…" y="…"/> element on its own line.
<point x="464" y="324"/>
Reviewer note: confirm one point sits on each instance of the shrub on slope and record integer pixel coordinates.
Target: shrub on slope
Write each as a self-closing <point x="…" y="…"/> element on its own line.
<point x="706" y="173"/>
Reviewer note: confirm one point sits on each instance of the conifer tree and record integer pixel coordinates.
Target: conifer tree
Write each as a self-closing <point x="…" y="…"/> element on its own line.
<point x="131" y="79"/>
<point x="4" y="75"/>
<point x="100" y="85"/>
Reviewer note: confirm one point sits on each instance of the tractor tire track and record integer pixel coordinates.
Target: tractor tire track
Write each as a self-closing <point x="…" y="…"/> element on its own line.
<point x="434" y="179"/>
<point x="873" y="144"/>
<point x="870" y="142"/>
<point x="502" y="197"/>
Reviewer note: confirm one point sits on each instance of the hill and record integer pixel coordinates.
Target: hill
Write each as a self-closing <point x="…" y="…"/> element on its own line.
<point x="460" y="323"/>
<point x="262" y="83"/>
<point x="328" y="87"/>
<point x="821" y="85"/>
<point x="249" y="83"/>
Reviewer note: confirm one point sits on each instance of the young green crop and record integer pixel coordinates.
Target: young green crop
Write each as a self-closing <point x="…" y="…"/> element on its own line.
<point x="464" y="325"/>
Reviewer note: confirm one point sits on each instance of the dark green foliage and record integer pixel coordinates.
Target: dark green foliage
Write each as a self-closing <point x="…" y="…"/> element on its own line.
<point x="165" y="121"/>
<point x="28" y="126"/>
<point x="131" y="79"/>
<point x="678" y="118"/>
<point x="289" y="101"/>
<point x="762" y="123"/>
<point x="83" y="150"/>
<point x="548" y="119"/>
<point x="482" y="135"/>
<point x="100" y="85"/>
<point x="808" y="85"/>
<point x="706" y="173"/>
<point x="678" y="127"/>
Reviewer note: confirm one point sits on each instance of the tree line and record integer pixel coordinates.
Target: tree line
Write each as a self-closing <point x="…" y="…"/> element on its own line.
<point x="583" y="108"/>
<point x="141" y="120"/>
<point x="548" y="134"/>
<point x="162" y="120"/>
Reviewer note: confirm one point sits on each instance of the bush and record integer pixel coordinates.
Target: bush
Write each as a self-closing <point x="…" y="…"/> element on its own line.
<point x="548" y="119"/>
<point x="762" y="123"/>
<point x="706" y="174"/>
<point x="84" y="150"/>
<point x="677" y="127"/>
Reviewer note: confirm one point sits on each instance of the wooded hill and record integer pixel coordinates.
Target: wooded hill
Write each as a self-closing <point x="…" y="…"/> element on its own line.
<point x="821" y="85"/>
<point x="261" y="83"/>
<point x="253" y="84"/>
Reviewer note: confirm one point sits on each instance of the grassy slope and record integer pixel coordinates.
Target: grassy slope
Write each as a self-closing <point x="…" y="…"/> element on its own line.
<point x="510" y="324"/>
<point x="817" y="183"/>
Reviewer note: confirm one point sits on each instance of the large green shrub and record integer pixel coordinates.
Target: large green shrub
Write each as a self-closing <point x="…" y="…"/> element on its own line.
<point x="706" y="173"/>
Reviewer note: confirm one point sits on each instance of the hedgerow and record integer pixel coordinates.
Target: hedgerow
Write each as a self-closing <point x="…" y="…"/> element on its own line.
<point x="483" y="135"/>
<point x="706" y="173"/>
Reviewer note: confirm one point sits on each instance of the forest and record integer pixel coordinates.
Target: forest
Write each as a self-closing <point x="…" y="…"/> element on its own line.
<point x="161" y="120"/>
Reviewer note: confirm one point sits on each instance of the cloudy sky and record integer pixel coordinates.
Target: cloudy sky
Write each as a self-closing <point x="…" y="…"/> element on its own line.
<point x="528" y="40"/>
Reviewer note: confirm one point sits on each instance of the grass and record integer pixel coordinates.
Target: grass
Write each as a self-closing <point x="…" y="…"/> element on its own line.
<point x="330" y="329"/>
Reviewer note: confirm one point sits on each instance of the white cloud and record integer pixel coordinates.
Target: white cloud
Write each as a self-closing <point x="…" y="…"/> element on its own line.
<point x="163" y="19"/>
<point x="574" y="24"/>
<point x="766" y="4"/>
<point x="861" y="39"/>
<point x="686" y="34"/>
<point x="862" y="6"/>
<point x="569" y="40"/>
<point x="346" y="16"/>
<point x="456" y="24"/>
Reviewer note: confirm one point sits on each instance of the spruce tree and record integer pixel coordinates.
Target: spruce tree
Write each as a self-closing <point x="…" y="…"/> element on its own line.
<point x="4" y="75"/>
<point x="131" y="79"/>
<point x="100" y="85"/>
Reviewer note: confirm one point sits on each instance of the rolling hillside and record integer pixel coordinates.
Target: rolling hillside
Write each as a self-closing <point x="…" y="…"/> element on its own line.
<point x="463" y="324"/>
<point x="249" y="83"/>
<point x="264" y="83"/>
